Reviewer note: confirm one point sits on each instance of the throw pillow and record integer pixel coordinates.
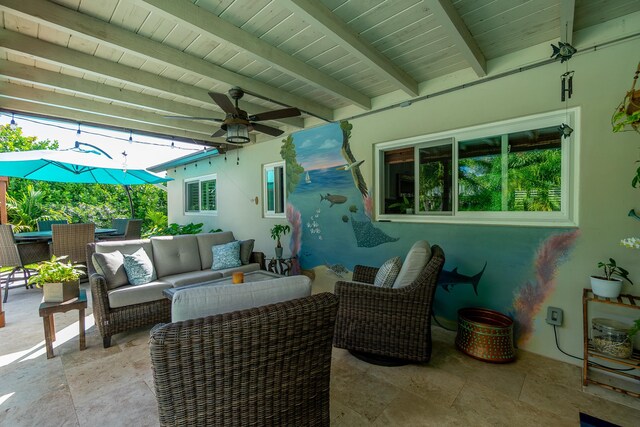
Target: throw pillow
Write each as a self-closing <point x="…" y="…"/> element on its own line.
<point x="226" y="256"/>
<point x="139" y="268"/>
<point x="246" y="248"/>
<point x="111" y="266"/>
<point x="387" y="273"/>
<point x="414" y="263"/>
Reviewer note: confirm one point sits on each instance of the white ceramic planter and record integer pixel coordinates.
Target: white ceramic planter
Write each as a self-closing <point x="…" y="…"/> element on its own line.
<point x="606" y="288"/>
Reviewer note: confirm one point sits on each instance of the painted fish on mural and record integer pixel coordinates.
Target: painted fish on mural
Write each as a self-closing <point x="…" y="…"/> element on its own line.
<point x="449" y="279"/>
<point x="337" y="269"/>
<point x="334" y="199"/>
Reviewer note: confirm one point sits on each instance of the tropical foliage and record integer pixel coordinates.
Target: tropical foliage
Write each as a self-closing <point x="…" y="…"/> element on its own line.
<point x="56" y="271"/>
<point x="293" y="169"/>
<point x="28" y="201"/>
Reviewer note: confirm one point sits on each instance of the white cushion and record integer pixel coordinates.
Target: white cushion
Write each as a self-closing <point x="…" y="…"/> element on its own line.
<point x="413" y="264"/>
<point x="202" y="301"/>
<point x="387" y="273"/>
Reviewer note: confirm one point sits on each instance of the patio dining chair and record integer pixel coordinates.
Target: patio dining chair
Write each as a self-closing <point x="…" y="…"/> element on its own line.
<point x="71" y="240"/>
<point x="10" y="256"/>
<point x="131" y="230"/>
<point x="46" y="225"/>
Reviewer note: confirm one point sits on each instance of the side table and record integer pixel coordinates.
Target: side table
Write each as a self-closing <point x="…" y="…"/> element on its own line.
<point x="47" y="309"/>
<point x="282" y="266"/>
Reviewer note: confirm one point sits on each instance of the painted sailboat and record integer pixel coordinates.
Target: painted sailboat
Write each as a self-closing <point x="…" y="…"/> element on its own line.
<point x="307" y="178"/>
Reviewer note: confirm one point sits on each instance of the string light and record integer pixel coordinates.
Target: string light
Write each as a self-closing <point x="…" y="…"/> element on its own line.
<point x="13" y="125"/>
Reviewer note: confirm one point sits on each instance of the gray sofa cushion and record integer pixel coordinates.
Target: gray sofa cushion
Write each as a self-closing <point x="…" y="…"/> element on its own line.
<point x="215" y="299"/>
<point x="246" y="248"/>
<point x="208" y="240"/>
<point x="138" y="294"/>
<point x="126" y="246"/>
<point x="192" y="277"/>
<point x="111" y="266"/>
<point x="175" y="254"/>
<point x="413" y="264"/>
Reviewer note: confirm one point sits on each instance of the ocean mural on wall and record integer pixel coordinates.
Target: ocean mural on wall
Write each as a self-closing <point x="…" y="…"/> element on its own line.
<point x="330" y="209"/>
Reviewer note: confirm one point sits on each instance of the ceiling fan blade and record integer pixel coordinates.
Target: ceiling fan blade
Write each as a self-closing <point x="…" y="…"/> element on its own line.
<point x="218" y="133"/>
<point x="266" y="129"/>
<point x="275" y="114"/>
<point x="213" y="119"/>
<point x="223" y="102"/>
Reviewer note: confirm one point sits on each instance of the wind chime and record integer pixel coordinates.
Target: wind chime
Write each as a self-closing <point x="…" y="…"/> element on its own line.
<point x="565" y="51"/>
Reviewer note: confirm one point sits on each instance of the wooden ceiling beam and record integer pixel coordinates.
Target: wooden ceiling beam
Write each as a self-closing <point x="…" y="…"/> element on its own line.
<point x="65" y="57"/>
<point x="84" y="105"/>
<point x="84" y="26"/>
<point x="315" y="13"/>
<point x="455" y="28"/>
<point x="26" y="107"/>
<point x="567" y="11"/>
<point x="202" y="21"/>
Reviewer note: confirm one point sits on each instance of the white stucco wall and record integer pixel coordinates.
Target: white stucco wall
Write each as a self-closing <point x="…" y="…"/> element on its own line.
<point x="606" y="164"/>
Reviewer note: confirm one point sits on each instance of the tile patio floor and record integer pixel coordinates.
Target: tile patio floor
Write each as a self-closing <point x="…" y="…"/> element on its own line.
<point x="114" y="387"/>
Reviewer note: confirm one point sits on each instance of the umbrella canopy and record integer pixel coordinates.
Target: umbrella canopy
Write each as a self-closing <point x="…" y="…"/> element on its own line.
<point x="92" y="166"/>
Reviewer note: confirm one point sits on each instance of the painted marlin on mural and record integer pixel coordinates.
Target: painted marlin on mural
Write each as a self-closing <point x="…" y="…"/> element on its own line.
<point x="449" y="279"/>
<point x="334" y="199"/>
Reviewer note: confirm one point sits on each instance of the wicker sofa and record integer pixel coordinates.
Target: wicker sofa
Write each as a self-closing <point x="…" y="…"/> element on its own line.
<point x="264" y="366"/>
<point x="177" y="261"/>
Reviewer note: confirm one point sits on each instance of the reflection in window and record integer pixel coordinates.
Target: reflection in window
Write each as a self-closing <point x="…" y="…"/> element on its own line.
<point x="435" y="178"/>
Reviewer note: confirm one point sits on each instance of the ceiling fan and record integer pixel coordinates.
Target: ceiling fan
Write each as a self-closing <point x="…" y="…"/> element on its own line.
<point x="238" y="123"/>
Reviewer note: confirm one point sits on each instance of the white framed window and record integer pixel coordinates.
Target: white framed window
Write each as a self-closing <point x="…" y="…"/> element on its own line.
<point x="200" y="195"/>
<point x="274" y="195"/>
<point x="517" y="172"/>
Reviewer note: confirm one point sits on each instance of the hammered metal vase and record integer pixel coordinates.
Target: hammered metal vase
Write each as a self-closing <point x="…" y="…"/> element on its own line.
<point x="485" y="335"/>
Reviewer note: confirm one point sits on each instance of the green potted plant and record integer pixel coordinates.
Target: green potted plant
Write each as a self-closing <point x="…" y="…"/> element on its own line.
<point x="405" y="205"/>
<point x="607" y="285"/>
<point x="60" y="281"/>
<point x="277" y="231"/>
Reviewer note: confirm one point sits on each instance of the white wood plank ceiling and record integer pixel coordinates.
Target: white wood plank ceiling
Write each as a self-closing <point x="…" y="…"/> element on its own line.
<point x="130" y="63"/>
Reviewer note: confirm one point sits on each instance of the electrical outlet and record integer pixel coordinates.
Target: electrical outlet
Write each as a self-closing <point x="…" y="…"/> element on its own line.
<point x="554" y="316"/>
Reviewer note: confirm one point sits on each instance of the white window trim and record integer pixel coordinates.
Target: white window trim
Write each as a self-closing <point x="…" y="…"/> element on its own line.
<point x="271" y="214"/>
<point x="566" y="217"/>
<point x="199" y="180"/>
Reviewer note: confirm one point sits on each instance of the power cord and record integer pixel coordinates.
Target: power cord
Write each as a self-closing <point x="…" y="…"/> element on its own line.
<point x="555" y="333"/>
<point x="433" y="314"/>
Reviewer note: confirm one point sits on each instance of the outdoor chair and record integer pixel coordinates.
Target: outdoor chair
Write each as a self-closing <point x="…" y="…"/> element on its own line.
<point x="120" y="225"/>
<point x="71" y="240"/>
<point x="268" y="365"/>
<point x="46" y="225"/>
<point x="10" y="256"/>
<point x="131" y="230"/>
<point x="388" y="326"/>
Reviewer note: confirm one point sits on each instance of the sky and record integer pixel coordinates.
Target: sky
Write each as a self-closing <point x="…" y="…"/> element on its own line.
<point x="143" y="152"/>
<point x="319" y="147"/>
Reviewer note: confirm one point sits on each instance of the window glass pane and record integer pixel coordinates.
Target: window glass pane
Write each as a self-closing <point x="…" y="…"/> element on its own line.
<point x="480" y="174"/>
<point x="192" y="202"/>
<point x="435" y="178"/>
<point x="279" y="189"/>
<point x="399" y="180"/>
<point x="270" y="182"/>
<point x="535" y="167"/>
<point x="208" y="194"/>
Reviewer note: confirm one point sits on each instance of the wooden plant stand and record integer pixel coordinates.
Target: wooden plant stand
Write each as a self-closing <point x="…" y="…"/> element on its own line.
<point x="47" y="309"/>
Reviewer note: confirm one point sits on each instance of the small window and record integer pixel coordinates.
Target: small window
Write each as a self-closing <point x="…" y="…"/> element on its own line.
<point x="274" y="195"/>
<point x="201" y="195"/>
<point x="519" y="171"/>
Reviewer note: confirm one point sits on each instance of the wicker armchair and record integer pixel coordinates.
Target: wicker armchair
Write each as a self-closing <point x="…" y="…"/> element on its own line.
<point x="71" y="240"/>
<point x="268" y="365"/>
<point x="391" y="323"/>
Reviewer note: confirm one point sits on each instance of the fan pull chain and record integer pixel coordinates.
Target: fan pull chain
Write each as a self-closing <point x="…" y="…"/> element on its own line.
<point x="237" y="157"/>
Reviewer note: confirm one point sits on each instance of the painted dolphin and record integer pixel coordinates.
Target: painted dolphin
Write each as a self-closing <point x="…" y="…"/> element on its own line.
<point x="334" y="199"/>
<point x="449" y="279"/>
<point x="350" y="166"/>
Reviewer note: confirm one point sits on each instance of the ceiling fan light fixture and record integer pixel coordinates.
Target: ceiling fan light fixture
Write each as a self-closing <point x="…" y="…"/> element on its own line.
<point x="237" y="133"/>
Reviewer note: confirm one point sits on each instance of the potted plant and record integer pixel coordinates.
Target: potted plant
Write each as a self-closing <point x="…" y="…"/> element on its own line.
<point x="405" y="205"/>
<point x="607" y="285"/>
<point x="277" y="231"/>
<point x="60" y="281"/>
<point x="627" y="115"/>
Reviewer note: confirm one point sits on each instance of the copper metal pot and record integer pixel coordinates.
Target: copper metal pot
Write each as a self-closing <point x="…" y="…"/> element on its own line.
<point x="485" y="335"/>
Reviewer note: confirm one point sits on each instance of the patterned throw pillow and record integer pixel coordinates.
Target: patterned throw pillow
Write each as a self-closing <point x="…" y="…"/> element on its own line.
<point x="139" y="268"/>
<point x="387" y="273"/>
<point x="226" y="256"/>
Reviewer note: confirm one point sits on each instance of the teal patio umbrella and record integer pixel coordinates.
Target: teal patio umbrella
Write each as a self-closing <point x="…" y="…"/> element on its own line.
<point x="86" y="166"/>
